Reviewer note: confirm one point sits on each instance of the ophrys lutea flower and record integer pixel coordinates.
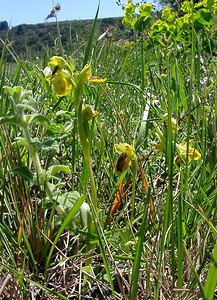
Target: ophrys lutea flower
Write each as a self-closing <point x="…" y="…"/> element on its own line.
<point x="192" y="153"/>
<point x="60" y="73"/>
<point x="185" y="153"/>
<point x="64" y="78"/>
<point x="127" y="155"/>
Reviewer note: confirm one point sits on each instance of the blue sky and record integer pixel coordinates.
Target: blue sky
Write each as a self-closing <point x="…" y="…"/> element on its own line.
<point x="17" y="12"/>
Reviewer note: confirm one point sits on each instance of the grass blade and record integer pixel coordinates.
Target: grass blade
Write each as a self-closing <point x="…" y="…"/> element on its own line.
<point x="90" y="40"/>
<point x="211" y="280"/>
<point x="139" y="250"/>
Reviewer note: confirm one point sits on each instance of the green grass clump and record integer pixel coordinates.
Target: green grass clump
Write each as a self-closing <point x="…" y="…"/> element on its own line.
<point x="108" y="189"/>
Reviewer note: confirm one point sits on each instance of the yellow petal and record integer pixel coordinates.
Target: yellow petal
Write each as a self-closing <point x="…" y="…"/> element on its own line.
<point x="127" y="149"/>
<point x="57" y="61"/>
<point x="96" y="79"/>
<point x="61" y="86"/>
<point x="192" y="154"/>
<point x="85" y="73"/>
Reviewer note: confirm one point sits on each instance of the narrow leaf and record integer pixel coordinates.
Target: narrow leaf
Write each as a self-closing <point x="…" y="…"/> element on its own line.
<point x="211" y="281"/>
<point x="139" y="250"/>
<point x="24" y="172"/>
<point x="142" y="129"/>
<point x="39" y="119"/>
<point x="59" y="168"/>
<point x="9" y="120"/>
<point x="90" y="40"/>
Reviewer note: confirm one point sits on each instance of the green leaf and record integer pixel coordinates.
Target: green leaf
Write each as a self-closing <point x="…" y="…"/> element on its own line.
<point x="20" y="141"/>
<point x="48" y="145"/>
<point x="38" y="118"/>
<point x="17" y="93"/>
<point x="203" y="17"/>
<point x="28" y="104"/>
<point x="142" y="129"/>
<point x="10" y="90"/>
<point x="211" y="281"/>
<point x="126" y="21"/>
<point x="90" y="238"/>
<point x="9" y="120"/>
<point x="139" y="250"/>
<point x="68" y="199"/>
<point x="141" y="22"/>
<point x="146" y="7"/>
<point x="210" y="3"/>
<point x="64" y="113"/>
<point x="88" y="49"/>
<point x="129" y="9"/>
<point x="55" y="129"/>
<point x="24" y="172"/>
<point x="59" y="168"/>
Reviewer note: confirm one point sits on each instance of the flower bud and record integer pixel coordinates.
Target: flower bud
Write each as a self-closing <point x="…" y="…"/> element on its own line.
<point x="89" y="113"/>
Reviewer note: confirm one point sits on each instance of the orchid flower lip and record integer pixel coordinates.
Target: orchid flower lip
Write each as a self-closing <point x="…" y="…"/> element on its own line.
<point x="126" y="155"/>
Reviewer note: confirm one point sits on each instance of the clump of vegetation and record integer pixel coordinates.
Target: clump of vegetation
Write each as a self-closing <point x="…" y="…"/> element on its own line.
<point x="108" y="163"/>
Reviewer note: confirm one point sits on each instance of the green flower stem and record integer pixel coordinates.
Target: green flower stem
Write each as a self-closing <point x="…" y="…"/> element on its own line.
<point x="78" y="93"/>
<point x="134" y="169"/>
<point x="85" y="145"/>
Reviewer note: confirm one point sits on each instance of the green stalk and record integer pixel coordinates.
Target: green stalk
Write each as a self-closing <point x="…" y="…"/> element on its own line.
<point x="58" y="32"/>
<point x="31" y="148"/>
<point x="168" y="212"/>
<point x="180" y="239"/>
<point x="85" y="145"/>
<point x="142" y="63"/>
<point x="139" y="251"/>
<point x="134" y="169"/>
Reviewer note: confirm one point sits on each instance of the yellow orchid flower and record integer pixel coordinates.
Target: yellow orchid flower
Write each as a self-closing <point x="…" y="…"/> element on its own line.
<point x="60" y="74"/>
<point x="192" y="154"/>
<point x="127" y="154"/>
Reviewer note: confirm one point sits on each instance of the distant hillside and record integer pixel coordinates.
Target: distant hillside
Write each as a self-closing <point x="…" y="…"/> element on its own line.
<point x="30" y="41"/>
